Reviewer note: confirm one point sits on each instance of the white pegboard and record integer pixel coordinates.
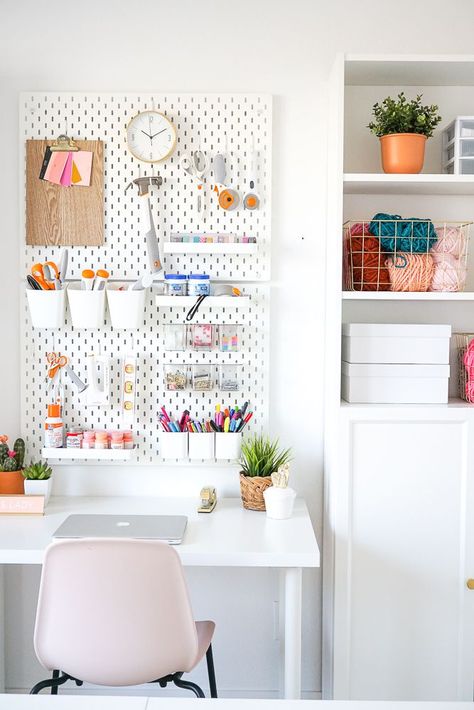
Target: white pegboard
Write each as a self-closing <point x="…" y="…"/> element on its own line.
<point x="213" y="123"/>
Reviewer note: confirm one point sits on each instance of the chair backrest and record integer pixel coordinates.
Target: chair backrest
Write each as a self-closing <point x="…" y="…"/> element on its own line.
<point x="114" y="612"/>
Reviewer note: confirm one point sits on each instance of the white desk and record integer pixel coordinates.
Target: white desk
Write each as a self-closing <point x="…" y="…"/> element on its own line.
<point x="228" y="537"/>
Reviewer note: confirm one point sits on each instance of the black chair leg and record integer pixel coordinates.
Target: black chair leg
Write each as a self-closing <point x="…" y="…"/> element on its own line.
<point x="211" y="672"/>
<point x="48" y="683"/>
<point x="187" y="685"/>
<point x="54" y="688"/>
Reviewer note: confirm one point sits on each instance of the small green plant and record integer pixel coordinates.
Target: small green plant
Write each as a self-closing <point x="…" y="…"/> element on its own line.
<point x="38" y="471"/>
<point x="10" y="463"/>
<point x="403" y="116"/>
<point x="261" y="457"/>
<point x="11" y="459"/>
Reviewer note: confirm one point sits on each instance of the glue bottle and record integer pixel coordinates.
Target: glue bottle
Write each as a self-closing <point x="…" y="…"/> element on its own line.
<point x="54" y="428"/>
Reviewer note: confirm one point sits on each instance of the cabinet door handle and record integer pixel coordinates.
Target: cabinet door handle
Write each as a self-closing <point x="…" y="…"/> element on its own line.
<point x="470" y="584"/>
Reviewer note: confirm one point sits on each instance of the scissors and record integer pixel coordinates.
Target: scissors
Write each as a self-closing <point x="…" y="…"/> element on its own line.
<point x="196" y="167"/>
<point x="55" y="361"/>
<point x="43" y="274"/>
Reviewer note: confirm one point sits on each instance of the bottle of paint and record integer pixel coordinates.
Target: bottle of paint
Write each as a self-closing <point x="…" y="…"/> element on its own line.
<point x="54" y="428"/>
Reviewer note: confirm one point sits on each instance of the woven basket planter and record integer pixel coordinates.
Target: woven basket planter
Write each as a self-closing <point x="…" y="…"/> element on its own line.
<point x="251" y="490"/>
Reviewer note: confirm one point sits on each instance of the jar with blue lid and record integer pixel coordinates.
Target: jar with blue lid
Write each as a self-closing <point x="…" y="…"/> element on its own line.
<point x="199" y="285"/>
<point x="176" y="284"/>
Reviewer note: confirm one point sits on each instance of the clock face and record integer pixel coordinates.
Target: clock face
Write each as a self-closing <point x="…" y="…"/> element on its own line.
<point x="151" y="137"/>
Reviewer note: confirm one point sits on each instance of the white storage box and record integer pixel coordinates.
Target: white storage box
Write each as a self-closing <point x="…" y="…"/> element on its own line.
<point x="395" y="384"/>
<point x="395" y="343"/>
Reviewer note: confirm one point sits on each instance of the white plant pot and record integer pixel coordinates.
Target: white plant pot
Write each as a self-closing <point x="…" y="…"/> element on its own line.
<point x="279" y="502"/>
<point x="39" y="488"/>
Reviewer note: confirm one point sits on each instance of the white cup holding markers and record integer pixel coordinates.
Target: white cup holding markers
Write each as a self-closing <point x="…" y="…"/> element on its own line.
<point x="87" y="299"/>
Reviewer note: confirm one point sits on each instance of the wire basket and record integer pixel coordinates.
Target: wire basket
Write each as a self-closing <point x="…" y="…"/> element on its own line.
<point x="405" y="255"/>
<point x="465" y="355"/>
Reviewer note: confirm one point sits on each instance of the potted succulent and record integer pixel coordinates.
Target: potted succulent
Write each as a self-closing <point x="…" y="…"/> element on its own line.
<point x="403" y="127"/>
<point x="11" y="465"/>
<point x="38" y="480"/>
<point x="260" y="458"/>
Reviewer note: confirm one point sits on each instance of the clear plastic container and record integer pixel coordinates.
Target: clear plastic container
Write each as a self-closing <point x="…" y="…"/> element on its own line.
<point x="202" y="378"/>
<point x="467" y="148"/>
<point x="230" y="379"/>
<point x="101" y="440"/>
<point x="202" y="336"/>
<point x="176" y="284"/>
<point x="467" y="129"/>
<point x="229" y="338"/>
<point x="116" y="440"/>
<point x="88" y="440"/>
<point x="175" y="377"/>
<point x="199" y="285"/>
<point x="466" y="166"/>
<point x="175" y="337"/>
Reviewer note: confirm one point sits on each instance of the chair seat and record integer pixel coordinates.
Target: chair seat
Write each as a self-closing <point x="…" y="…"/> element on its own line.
<point x="205" y="632"/>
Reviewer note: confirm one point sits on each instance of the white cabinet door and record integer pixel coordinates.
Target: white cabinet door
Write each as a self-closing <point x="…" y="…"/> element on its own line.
<point x="404" y="542"/>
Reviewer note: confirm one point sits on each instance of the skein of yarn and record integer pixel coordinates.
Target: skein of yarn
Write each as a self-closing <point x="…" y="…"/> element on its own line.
<point x="399" y="234"/>
<point x="410" y="272"/>
<point x="451" y="240"/>
<point x="365" y="265"/>
<point x="449" y="273"/>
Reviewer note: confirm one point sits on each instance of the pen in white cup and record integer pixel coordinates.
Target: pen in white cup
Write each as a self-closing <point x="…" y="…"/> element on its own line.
<point x="101" y="276"/>
<point x="87" y="279"/>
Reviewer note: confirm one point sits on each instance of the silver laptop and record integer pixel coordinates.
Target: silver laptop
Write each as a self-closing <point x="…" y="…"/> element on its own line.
<point x="169" y="528"/>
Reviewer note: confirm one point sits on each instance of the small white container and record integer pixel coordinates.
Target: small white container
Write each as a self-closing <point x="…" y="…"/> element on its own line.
<point x="39" y="488"/>
<point x="47" y="308"/>
<point x="201" y="446"/>
<point x="173" y="445"/>
<point x="126" y="307"/>
<point x="87" y="307"/>
<point x="279" y="502"/>
<point x="395" y="384"/>
<point x="228" y="445"/>
<point x="176" y="284"/>
<point x="199" y="285"/>
<point x="396" y="343"/>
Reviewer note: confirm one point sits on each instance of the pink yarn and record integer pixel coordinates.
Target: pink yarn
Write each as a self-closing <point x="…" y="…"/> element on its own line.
<point x="360" y="229"/>
<point x="451" y="240"/>
<point x="449" y="273"/>
<point x="410" y="272"/>
<point x="468" y="361"/>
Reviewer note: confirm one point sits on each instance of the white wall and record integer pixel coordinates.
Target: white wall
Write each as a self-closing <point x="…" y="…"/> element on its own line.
<point x="285" y="48"/>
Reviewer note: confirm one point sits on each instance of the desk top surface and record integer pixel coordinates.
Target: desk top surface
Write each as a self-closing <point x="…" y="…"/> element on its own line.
<point x="228" y="537"/>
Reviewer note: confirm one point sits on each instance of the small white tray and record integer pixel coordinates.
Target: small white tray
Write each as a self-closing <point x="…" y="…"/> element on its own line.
<point x="90" y="454"/>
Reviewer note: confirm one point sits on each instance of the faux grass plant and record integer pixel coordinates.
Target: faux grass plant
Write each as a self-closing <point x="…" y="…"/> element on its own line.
<point x="262" y="457"/>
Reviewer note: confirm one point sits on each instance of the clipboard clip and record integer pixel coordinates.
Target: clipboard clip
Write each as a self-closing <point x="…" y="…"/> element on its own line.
<point x="64" y="143"/>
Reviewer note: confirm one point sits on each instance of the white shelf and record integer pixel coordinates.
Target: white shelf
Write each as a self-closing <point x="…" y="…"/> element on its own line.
<point x="207" y="248"/>
<point x="408" y="296"/>
<point x="421" y="184"/>
<point x="89" y="454"/>
<point x="409" y="70"/>
<point x="242" y="302"/>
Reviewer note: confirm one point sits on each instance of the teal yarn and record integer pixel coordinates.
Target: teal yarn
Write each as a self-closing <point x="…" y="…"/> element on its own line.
<point x="412" y="235"/>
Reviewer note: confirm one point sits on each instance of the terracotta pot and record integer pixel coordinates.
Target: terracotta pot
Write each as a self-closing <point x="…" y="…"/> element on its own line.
<point x="403" y="152"/>
<point x="251" y="491"/>
<point x="11" y="483"/>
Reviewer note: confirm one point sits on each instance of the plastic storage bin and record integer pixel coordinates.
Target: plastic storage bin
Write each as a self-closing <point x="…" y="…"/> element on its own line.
<point x="202" y="336"/>
<point x="126" y="307"/>
<point x="175" y="337"/>
<point x="230" y="378"/>
<point x="395" y="343"/>
<point x="173" y="445"/>
<point x="395" y="384"/>
<point x="176" y="377"/>
<point x="201" y="446"/>
<point x="228" y="446"/>
<point x="229" y="338"/>
<point x="47" y="308"/>
<point x="87" y="307"/>
<point x="202" y="377"/>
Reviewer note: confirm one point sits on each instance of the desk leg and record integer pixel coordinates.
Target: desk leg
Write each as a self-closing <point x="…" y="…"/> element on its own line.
<point x="2" y="628"/>
<point x="292" y="586"/>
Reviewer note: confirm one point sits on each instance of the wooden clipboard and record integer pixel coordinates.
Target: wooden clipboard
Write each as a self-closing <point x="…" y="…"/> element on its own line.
<point x="64" y="216"/>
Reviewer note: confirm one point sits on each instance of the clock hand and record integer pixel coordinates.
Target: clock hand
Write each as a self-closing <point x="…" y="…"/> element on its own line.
<point x="147" y="134"/>
<point x="157" y="134"/>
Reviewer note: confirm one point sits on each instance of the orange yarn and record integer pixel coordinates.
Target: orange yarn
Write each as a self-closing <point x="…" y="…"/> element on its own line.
<point x="366" y="265"/>
<point x="410" y="272"/>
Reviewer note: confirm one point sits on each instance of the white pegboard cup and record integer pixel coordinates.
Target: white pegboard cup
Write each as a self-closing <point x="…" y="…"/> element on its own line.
<point x="201" y="446"/>
<point x="126" y="307"/>
<point x="228" y="446"/>
<point x="47" y="308"/>
<point x="173" y="445"/>
<point x="87" y="307"/>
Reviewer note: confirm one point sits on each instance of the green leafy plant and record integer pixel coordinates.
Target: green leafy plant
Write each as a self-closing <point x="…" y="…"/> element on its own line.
<point x="261" y="456"/>
<point x="37" y="471"/>
<point x="403" y="116"/>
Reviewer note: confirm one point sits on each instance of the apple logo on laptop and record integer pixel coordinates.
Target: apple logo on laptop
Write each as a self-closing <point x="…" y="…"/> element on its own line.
<point x="123" y="524"/>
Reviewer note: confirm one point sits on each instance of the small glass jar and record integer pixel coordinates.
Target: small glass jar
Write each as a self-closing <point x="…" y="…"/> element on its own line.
<point x="116" y="440"/>
<point x="74" y="438"/>
<point x="175" y="377"/>
<point x="176" y="284"/>
<point x="199" y="285"/>
<point x="128" y="439"/>
<point x="101" y="440"/>
<point x="88" y="439"/>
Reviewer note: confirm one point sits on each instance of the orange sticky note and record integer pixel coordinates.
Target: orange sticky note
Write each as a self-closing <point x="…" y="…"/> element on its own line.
<point x="75" y="175"/>
<point x="82" y="161"/>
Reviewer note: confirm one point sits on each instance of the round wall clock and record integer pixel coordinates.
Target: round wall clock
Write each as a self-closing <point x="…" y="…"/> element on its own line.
<point x="151" y="137"/>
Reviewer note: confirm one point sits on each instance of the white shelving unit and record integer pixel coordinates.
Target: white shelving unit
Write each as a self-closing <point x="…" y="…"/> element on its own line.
<point x="398" y="619"/>
<point x="198" y="248"/>
<point x="89" y="454"/>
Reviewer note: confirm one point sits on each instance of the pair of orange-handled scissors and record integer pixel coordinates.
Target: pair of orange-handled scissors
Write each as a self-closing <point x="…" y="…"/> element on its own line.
<point x="55" y="361"/>
<point x="48" y="281"/>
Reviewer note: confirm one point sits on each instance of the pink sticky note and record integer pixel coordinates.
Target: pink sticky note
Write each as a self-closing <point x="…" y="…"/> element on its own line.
<point x="81" y="168"/>
<point x="56" y="167"/>
<point x="67" y="172"/>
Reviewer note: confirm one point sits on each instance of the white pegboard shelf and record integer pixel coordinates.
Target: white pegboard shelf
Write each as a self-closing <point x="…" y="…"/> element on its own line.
<point x="240" y="302"/>
<point x="89" y="454"/>
<point x="197" y="248"/>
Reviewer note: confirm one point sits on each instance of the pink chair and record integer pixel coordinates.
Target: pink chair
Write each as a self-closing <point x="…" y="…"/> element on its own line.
<point x="117" y="612"/>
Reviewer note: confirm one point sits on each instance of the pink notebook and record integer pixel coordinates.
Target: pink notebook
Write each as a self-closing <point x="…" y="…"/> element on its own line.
<point x="56" y="166"/>
<point x="66" y="176"/>
<point x="81" y="168"/>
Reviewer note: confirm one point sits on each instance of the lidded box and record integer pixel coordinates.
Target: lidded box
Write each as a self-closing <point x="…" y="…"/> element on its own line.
<point x="402" y="343"/>
<point x="395" y="384"/>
